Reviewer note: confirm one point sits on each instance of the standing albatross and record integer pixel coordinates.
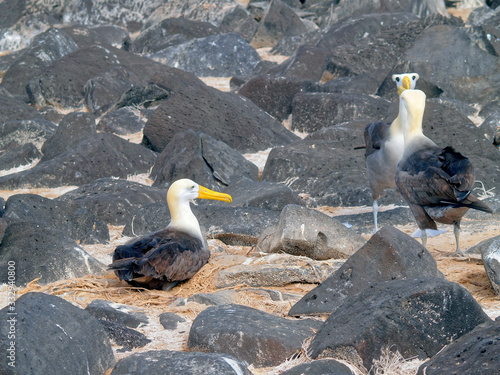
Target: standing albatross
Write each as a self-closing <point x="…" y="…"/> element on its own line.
<point x="435" y="182"/>
<point x="384" y="147"/>
<point x="162" y="259"/>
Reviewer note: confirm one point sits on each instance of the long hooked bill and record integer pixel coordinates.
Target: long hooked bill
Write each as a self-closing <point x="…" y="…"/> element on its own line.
<point x="405" y="86"/>
<point x="205" y="193"/>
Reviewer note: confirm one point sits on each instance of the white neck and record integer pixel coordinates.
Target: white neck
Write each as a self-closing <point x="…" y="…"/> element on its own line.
<point x="183" y="219"/>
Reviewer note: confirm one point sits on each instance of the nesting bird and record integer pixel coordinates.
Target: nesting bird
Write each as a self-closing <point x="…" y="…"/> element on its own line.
<point x="384" y="147"/>
<point x="435" y="182"/>
<point x="162" y="259"/>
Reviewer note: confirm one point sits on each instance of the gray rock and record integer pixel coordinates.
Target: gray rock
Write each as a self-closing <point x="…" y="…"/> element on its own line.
<point x="307" y="63"/>
<point x="276" y="270"/>
<point x="148" y="95"/>
<point x="279" y="21"/>
<point x="77" y="223"/>
<point x="172" y="31"/>
<point x="61" y="84"/>
<point x="123" y="121"/>
<point x="44" y="50"/>
<point x="224" y="297"/>
<point x="248" y="334"/>
<point x="274" y="95"/>
<point x="262" y="194"/>
<point x="180" y="363"/>
<point x="131" y="15"/>
<point x="126" y="337"/>
<point x="53" y="255"/>
<point x="224" y="116"/>
<point x="475" y="353"/>
<point x="358" y="27"/>
<point x="113" y="201"/>
<point x="88" y="35"/>
<point x="363" y="223"/>
<point x="491" y="260"/>
<point x="388" y="255"/>
<point x="72" y="130"/>
<point x="220" y="55"/>
<point x="85" y="163"/>
<point x="169" y="320"/>
<point x="313" y="111"/>
<point x="10" y="12"/>
<point x="306" y="232"/>
<point x="430" y="311"/>
<point x="306" y="167"/>
<point x="198" y="156"/>
<point x="491" y="128"/>
<point x="129" y="316"/>
<point x="436" y="42"/>
<point x="211" y="11"/>
<point x="320" y="367"/>
<point x="361" y="84"/>
<point x="44" y="322"/>
<point x="105" y="89"/>
<point x="18" y="156"/>
<point x="357" y="7"/>
<point x="14" y="109"/>
<point x="15" y="133"/>
<point x="240" y="21"/>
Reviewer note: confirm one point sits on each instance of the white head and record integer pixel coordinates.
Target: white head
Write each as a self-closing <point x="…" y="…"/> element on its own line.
<point x="406" y="81"/>
<point x="180" y="193"/>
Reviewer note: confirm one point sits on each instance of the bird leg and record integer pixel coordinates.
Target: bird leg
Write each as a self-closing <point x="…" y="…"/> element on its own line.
<point x="424" y="237"/>
<point x="456" y="231"/>
<point x="375" y="212"/>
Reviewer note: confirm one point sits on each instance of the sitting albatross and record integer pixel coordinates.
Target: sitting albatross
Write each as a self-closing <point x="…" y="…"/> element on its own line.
<point x="162" y="259"/>
<point x="384" y="147"/>
<point x="435" y="182"/>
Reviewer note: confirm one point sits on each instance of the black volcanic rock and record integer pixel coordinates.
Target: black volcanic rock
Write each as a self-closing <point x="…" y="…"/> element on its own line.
<point x="77" y="223"/>
<point x="180" y="363"/>
<point x="172" y="31"/>
<point x="224" y="116"/>
<point x="53" y="256"/>
<point x="274" y="95"/>
<point x="45" y="49"/>
<point x="44" y="322"/>
<point x="113" y="201"/>
<point x="88" y="161"/>
<point x="475" y="353"/>
<point x="203" y="159"/>
<point x="18" y="156"/>
<point x="62" y="83"/>
<point x="388" y="255"/>
<point x="220" y="55"/>
<point x="416" y="317"/>
<point x="72" y="130"/>
<point x="125" y="120"/>
<point x="248" y="334"/>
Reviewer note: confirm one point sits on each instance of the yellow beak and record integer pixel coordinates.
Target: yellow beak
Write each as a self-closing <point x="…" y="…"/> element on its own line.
<point x="405" y="86"/>
<point x="205" y="193"/>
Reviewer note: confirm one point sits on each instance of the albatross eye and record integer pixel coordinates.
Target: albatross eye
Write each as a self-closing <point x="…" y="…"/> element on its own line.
<point x="414" y="78"/>
<point x="397" y="79"/>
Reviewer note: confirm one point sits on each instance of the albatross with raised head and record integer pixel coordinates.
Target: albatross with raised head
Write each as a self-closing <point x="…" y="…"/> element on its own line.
<point x="435" y="182"/>
<point x="384" y="147"/>
<point x="162" y="259"/>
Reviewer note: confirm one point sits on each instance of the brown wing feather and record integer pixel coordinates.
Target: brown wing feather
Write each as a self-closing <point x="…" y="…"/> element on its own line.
<point x="167" y="255"/>
<point x="376" y="133"/>
<point x="433" y="176"/>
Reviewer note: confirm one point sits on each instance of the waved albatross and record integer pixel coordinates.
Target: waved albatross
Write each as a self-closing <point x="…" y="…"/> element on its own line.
<point x="435" y="182"/>
<point x="162" y="259"/>
<point x="384" y="147"/>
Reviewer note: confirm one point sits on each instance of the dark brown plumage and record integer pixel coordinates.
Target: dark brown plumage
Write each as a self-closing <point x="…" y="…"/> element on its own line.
<point x="436" y="183"/>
